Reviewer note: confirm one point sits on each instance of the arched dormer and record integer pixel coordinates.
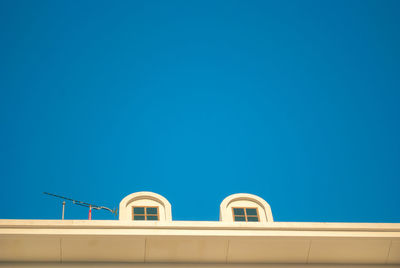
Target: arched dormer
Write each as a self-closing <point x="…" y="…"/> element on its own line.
<point x="245" y="208"/>
<point x="145" y="206"/>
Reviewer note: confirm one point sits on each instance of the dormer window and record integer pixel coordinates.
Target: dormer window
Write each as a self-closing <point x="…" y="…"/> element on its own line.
<point x="245" y="214"/>
<point x="145" y="213"/>
<point x="245" y="208"/>
<point x="145" y="206"/>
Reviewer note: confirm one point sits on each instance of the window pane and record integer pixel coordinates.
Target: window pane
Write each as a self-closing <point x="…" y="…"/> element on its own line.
<point x="251" y="211"/>
<point x="240" y="219"/>
<point x="252" y="218"/>
<point x="138" y="218"/>
<point x="138" y="210"/>
<point x="151" y="211"/>
<point x="238" y="211"/>
<point x="152" y="218"/>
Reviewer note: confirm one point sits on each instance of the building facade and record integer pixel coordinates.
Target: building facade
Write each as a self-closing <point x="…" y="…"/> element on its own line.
<point x="245" y="236"/>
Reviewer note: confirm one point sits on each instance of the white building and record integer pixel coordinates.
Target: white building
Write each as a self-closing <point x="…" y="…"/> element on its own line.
<point x="246" y="236"/>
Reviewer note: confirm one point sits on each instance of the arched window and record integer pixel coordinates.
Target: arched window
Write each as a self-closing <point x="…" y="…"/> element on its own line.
<point x="245" y="208"/>
<point x="145" y="206"/>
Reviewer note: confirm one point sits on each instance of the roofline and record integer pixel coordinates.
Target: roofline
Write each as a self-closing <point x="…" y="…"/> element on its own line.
<point x="328" y="226"/>
<point x="179" y="228"/>
<point x="293" y="239"/>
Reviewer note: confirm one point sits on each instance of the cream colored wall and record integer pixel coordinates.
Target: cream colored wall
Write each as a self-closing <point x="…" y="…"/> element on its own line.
<point x="127" y="243"/>
<point x="198" y="242"/>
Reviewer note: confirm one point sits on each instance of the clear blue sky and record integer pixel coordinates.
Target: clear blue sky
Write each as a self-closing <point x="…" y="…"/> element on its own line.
<point x="295" y="101"/>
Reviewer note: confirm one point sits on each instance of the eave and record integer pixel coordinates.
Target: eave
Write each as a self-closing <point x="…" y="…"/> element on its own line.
<point x="199" y="242"/>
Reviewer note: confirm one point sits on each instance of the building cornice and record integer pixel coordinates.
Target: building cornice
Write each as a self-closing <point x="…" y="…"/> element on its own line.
<point x="199" y="242"/>
<point x="201" y="225"/>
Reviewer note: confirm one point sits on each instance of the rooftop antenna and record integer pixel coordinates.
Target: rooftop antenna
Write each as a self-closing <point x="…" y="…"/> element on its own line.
<point x="83" y="204"/>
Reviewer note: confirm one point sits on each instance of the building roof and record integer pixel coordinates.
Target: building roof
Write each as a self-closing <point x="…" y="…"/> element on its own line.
<point x="138" y="237"/>
<point x="199" y="242"/>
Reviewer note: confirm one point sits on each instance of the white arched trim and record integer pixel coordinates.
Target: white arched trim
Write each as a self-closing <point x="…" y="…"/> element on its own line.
<point x="126" y="204"/>
<point x="226" y="213"/>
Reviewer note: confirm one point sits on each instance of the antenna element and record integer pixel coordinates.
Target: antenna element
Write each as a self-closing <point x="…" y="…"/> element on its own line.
<point x="83" y="204"/>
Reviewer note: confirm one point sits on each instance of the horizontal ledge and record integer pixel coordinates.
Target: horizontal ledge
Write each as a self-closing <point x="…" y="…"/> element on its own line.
<point x="199" y="225"/>
<point x="194" y="233"/>
<point x="184" y="265"/>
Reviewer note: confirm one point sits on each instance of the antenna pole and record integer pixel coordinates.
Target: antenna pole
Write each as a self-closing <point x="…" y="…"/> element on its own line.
<point x="83" y="204"/>
<point x="63" y="210"/>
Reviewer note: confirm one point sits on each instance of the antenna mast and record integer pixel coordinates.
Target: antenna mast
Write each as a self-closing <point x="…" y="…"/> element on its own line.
<point x="83" y="204"/>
